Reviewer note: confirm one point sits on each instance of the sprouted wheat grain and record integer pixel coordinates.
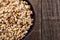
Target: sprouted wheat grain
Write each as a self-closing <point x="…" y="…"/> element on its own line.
<point x="15" y="19"/>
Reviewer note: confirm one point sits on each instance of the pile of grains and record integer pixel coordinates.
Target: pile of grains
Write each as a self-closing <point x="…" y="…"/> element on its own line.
<point x="15" y="19"/>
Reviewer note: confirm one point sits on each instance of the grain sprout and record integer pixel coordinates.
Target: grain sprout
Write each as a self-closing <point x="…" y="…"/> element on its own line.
<point x="15" y="19"/>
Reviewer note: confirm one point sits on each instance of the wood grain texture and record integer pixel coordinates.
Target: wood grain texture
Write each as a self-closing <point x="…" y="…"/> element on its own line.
<point x="50" y="19"/>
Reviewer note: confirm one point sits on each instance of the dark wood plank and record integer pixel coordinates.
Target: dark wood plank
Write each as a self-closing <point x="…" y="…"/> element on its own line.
<point x="50" y="19"/>
<point x="36" y="32"/>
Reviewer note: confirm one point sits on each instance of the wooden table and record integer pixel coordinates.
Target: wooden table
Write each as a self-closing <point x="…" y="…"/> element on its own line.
<point x="47" y="20"/>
